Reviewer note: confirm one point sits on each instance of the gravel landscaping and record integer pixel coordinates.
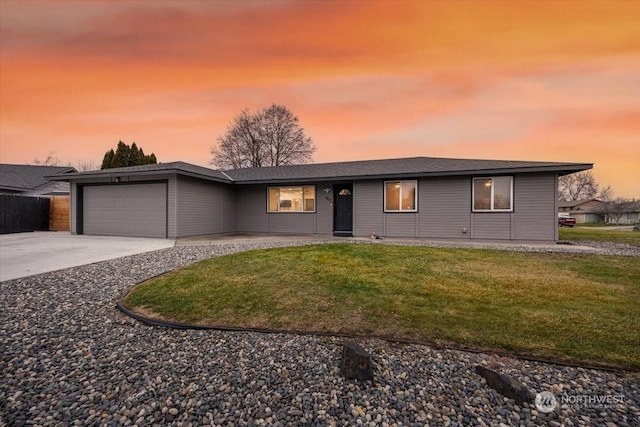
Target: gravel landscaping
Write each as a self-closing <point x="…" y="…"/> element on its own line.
<point x="69" y="357"/>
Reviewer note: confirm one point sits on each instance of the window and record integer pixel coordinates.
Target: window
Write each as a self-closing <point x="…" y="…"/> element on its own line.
<point x="400" y="196"/>
<point x="493" y="194"/>
<point x="291" y="199"/>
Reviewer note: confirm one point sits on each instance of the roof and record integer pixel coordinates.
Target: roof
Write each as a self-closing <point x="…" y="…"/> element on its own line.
<point x="180" y="168"/>
<point x="395" y="168"/>
<point x="574" y="203"/>
<point x="366" y="169"/>
<point x="20" y="178"/>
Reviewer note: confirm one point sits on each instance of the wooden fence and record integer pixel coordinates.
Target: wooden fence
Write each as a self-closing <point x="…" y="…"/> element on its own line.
<point x="59" y="213"/>
<point x="21" y="213"/>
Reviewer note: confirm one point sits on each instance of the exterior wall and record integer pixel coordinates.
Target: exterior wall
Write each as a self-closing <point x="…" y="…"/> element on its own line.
<point x="368" y="211"/>
<point x="200" y="207"/>
<point x="491" y="225"/>
<point x="251" y="209"/>
<point x="445" y="211"/>
<point x="252" y="215"/>
<point x="229" y="210"/>
<point x="534" y="214"/>
<point x="172" y="207"/>
<point x="324" y="208"/>
<point x="445" y="208"/>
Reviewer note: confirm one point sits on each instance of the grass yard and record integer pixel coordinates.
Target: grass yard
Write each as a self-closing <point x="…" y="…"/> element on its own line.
<point x="600" y="234"/>
<point x="562" y="306"/>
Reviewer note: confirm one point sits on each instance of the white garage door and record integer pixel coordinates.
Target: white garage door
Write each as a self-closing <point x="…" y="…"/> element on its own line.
<point x="125" y="210"/>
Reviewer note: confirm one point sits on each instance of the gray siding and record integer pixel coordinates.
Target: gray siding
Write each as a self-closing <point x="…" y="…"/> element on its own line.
<point x="535" y="215"/>
<point x="324" y="209"/>
<point x="73" y="206"/>
<point x="252" y="209"/>
<point x="200" y="207"/>
<point x="401" y="224"/>
<point x="172" y="207"/>
<point x="296" y="223"/>
<point x="444" y="211"/>
<point x="368" y="210"/>
<point x="491" y="225"/>
<point x="196" y="207"/>
<point x="444" y="208"/>
<point x="229" y="210"/>
<point x="252" y="215"/>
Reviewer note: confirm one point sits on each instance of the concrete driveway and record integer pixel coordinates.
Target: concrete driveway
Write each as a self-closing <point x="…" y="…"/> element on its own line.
<point x="26" y="254"/>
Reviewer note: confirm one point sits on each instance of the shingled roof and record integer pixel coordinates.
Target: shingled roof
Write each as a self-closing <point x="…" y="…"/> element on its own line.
<point x="397" y="168"/>
<point x="22" y="178"/>
<point x="366" y="169"/>
<point x="180" y="168"/>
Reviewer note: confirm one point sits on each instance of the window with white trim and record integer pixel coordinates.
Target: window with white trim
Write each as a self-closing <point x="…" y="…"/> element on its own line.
<point x="291" y="199"/>
<point x="401" y="196"/>
<point x="493" y="194"/>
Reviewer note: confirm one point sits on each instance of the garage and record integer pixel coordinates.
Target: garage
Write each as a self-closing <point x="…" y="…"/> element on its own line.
<point x="138" y="210"/>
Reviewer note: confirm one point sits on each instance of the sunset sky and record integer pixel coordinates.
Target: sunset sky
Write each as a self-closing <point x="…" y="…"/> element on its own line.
<point x="518" y="80"/>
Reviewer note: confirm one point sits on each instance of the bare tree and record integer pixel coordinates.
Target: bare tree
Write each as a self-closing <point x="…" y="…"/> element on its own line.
<point x="51" y="160"/>
<point x="614" y="209"/>
<point x="270" y="137"/>
<point x="85" y="166"/>
<point x="579" y="186"/>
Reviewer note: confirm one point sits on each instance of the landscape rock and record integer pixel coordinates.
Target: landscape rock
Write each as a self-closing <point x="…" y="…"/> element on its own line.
<point x="356" y="362"/>
<point x="505" y="385"/>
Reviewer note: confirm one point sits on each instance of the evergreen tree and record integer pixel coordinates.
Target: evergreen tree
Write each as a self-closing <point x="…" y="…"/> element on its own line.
<point x="126" y="156"/>
<point x="107" y="159"/>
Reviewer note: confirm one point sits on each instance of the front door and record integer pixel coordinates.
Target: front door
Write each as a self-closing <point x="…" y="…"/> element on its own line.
<point x="343" y="210"/>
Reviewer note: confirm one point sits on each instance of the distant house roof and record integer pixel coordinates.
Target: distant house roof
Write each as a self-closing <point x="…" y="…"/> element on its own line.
<point x="366" y="169"/>
<point x="24" y="178"/>
<point x="575" y="203"/>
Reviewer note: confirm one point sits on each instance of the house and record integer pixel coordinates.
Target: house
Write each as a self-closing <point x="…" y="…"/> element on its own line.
<point x="421" y="197"/>
<point x="584" y="210"/>
<point x="29" y="180"/>
<point x="594" y="210"/>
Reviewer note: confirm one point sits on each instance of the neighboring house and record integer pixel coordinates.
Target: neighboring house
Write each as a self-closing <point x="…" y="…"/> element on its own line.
<point x="630" y="218"/>
<point x="29" y="180"/>
<point x="594" y="210"/>
<point x="413" y="197"/>
<point x="585" y="210"/>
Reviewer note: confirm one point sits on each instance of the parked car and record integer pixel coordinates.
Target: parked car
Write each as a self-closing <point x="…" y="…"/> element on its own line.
<point x="566" y="221"/>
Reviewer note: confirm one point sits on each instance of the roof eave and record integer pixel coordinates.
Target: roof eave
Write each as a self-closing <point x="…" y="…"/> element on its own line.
<point x="110" y="174"/>
<point x="560" y="169"/>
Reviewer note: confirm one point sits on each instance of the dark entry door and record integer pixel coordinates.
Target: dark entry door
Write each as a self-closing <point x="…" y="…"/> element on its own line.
<point x="343" y="209"/>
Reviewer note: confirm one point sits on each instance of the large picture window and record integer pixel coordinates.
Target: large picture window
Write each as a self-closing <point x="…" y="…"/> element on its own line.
<point x="493" y="194"/>
<point x="401" y="196"/>
<point x="291" y="199"/>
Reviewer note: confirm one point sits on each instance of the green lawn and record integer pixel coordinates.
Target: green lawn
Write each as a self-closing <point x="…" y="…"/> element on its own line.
<point x="600" y="234"/>
<point x="562" y="306"/>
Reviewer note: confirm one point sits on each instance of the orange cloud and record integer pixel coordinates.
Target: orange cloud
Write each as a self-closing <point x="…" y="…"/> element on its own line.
<point x="534" y="80"/>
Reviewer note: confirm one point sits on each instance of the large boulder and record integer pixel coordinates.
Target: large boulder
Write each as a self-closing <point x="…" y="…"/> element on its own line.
<point x="356" y="362"/>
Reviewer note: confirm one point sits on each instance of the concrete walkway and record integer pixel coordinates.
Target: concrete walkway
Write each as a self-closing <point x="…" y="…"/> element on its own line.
<point x="26" y="254"/>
